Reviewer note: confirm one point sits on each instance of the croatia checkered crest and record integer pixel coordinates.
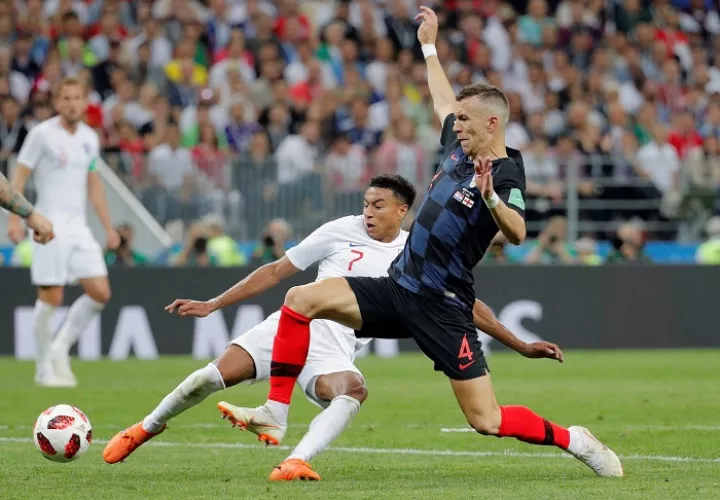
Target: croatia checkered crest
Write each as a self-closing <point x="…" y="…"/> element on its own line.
<point x="62" y="433"/>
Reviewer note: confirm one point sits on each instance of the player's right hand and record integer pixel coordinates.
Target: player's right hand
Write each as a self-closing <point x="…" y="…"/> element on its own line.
<point x="189" y="307"/>
<point x="428" y="30"/>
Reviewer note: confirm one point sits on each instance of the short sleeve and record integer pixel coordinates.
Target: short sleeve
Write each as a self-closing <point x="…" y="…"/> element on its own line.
<point x="510" y="183"/>
<point x="448" y="138"/>
<point x="32" y="149"/>
<point x="313" y="248"/>
<point x="95" y="152"/>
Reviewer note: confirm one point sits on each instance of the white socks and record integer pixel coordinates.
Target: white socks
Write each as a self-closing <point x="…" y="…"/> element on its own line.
<point x="192" y="391"/>
<point x="278" y="410"/>
<point x="326" y="427"/>
<point x="81" y="313"/>
<point x="42" y="314"/>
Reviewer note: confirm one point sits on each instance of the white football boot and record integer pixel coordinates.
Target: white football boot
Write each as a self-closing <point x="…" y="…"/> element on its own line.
<point x="596" y="455"/>
<point x="258" y="420"/>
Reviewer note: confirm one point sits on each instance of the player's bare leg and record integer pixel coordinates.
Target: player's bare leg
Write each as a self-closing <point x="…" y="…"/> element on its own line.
<point x="478" y="403"/>
<point x="80" y="314"/>
<point x="235" y="365"/>
<point x="331" y="299"/>
<point x="48" y="299"/>
<point x="346" y="392"/>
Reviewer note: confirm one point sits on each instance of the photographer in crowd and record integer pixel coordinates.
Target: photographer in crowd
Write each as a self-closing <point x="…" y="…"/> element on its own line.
<point x="195" y="251"/>
<point x="551" y="246"/>
<point x="272" y="242"/>
<point x="628" y="245"/>
<point x="124" y="254"/>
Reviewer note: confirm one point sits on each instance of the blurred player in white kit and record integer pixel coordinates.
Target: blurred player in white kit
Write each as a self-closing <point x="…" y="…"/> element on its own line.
<point x="62" y="153"/>
<point x="350" y="246"/>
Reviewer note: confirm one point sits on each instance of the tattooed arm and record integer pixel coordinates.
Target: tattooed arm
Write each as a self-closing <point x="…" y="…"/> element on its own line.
<point x="12" y="200"/>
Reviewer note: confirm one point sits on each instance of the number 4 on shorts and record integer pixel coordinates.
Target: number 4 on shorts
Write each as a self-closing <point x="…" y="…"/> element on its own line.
<point x="465" y="351"/>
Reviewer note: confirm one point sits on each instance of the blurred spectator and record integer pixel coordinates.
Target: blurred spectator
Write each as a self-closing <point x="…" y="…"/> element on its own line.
<point x="12" y="131"/>
<point x="235" y="58"/>
<point x="708" y="253"/>
<point x="18" y="83"/>
<point x="209" y="156"/>
<point x="191" y="126"/>
<point x="174" y="173"/>
<point x="552" y="246"/>
<point x="222" y="247"/>
<point x="496" y="253"/>
<point x="297" y="155"/>
<point x="658" y="160"/>
<point x="125" y="254"/>
<point x="152" y="36"/>
<point x="347" y="164"/>
<point x="586" y="250"/>
<point x="195" y="250"/>
<point x="402" y="154"/>
<point x="240" y="129"/>
<point x="534" y="23"/>
<point x="685" y="135"/>
<point x="628" y="245"/>
<point x="272" y="242"/>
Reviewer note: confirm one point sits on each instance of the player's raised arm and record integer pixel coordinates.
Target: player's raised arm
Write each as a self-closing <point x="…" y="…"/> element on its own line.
<point x="442" y="92"/>
<point x="485" y="320"/>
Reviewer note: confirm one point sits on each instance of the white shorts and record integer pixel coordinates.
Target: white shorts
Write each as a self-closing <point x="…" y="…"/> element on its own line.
<point x="332" y="350"/>
<point x="71" y="256"/>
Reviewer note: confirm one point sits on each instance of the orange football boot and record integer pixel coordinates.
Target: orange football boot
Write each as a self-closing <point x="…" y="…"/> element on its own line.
<point x="293" y="469"/>
<point x="127" y="441"/>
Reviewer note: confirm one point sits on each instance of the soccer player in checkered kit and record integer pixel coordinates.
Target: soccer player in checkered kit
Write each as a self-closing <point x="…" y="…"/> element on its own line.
<point x="477" y="191"/>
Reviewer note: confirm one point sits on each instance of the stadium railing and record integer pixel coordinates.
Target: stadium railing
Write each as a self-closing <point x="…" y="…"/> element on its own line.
<point x="597" y="193"/>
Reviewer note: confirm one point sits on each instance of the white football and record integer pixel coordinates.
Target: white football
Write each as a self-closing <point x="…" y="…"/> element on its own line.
<point x="62" y="433"/>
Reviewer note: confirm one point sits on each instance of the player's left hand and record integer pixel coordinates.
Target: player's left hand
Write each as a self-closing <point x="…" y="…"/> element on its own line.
<point x="542" y="349"/>
<point x="483" y="177"/>
<point x="113" y="239"/>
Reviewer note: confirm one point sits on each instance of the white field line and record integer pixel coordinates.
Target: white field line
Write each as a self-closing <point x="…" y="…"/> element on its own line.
<point x="396" y="451"/>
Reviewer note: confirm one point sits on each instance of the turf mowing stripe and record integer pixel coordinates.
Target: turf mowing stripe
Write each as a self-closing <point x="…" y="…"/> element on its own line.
<point x="396" y="451"/>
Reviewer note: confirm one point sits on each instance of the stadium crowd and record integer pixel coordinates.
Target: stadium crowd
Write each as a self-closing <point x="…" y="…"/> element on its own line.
<point x="259" y="110"/>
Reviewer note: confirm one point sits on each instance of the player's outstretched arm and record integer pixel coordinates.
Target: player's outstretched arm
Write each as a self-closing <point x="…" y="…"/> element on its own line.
<point x="440" y="89"/>
<point x="485" y="320"/>
<point x="260" y="280"/>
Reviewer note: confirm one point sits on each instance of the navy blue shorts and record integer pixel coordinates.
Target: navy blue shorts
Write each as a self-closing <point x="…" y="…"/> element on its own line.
<point x="444" y="332"/>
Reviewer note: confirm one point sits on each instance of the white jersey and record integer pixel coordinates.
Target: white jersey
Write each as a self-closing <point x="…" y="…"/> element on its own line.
<point x="344" y="248"/>
<point x="61" y="162"/>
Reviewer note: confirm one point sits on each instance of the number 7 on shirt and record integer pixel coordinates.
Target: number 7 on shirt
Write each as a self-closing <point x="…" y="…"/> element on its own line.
<point x="360" y="255"/>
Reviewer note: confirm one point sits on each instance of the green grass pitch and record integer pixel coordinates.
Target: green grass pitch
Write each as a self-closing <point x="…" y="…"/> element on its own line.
<point x="659" y="410"/>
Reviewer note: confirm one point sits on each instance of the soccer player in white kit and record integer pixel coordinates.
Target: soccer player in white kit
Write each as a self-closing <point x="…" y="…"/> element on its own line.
<point x="62" y="153"/>
<point x="351" y="246"/>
